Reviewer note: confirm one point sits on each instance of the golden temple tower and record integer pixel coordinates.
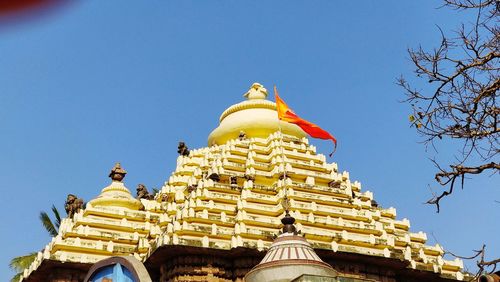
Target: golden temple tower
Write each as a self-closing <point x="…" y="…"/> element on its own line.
<point x="219" y="212"/>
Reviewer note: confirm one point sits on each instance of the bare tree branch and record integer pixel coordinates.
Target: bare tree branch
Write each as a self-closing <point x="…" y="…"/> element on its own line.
<point x="484" y="266"/>
<point x="462" y="106"/>
<point x="460" y="103"/>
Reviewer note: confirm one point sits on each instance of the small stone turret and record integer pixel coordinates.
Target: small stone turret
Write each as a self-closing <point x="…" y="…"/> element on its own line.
<point x="116" y="194"/>
<point x="290" y="257"/>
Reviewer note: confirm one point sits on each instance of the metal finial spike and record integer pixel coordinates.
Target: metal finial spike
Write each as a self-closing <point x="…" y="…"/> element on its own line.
<point x="285" y="203"/>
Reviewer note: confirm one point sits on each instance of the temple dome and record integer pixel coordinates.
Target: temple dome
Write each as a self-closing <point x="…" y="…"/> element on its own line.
<point x="290" y="257"/>
<point x="256" y="117"/>
<point x="116" y="194"/>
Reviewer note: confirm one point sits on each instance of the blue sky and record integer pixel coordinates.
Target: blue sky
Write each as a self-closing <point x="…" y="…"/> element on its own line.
<point x="97" y="82"/>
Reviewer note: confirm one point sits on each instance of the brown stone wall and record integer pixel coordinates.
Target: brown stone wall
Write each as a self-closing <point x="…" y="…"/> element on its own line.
<point x="363" y="271"/>
<point x="215" y="268"/>
<point x="64" y="275"/>
<point x="208" y="268"/>
<point x="232" y="266"/>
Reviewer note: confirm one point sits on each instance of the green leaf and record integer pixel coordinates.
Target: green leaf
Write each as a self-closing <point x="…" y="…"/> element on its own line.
<point x="411" y="118"/>
<point x="20" y="263"/>
<point x="57" y="216"/>
<point x="16" y="277"/>
<point x="48" y="224"/>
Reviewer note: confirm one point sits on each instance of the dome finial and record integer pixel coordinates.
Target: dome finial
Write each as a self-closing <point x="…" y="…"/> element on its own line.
<point x="256" y="116"/>
<point x="256" y="91"/>
<point x="117" y="173"/>
<point x="288" y="220"/>
<point x="116" y="194"/>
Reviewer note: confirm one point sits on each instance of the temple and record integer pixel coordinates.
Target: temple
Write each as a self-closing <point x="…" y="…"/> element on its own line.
<point x="258" y="204"/>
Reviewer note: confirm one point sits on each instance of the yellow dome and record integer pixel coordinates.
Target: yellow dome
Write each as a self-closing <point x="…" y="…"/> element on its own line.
<point x="116" y="194"/>
<point x="256" y="117"/>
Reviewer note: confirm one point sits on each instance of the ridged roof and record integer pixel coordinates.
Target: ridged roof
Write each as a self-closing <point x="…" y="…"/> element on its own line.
<point x="288" y="248"/>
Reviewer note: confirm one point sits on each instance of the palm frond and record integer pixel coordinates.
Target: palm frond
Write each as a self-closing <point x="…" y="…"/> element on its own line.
<point x="47" y="223"/>
<point x="57" y="216"/>
<point x="20" y="263"/>
<point x="16" y="277"/>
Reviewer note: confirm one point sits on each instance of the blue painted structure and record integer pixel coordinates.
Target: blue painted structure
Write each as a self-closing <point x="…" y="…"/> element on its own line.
<point x="113" y="273"/>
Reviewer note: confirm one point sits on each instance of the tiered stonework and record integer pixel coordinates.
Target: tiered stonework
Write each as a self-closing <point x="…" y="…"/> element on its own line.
<point x="112" y="224"/>
<point x="220" y="210"/>
<point x="242" y="208"/>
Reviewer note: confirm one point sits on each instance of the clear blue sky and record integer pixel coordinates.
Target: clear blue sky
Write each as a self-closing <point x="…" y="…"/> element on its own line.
<point x="103" y="81"/>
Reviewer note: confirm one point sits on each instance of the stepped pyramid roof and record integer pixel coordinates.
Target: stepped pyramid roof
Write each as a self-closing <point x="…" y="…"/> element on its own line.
<point x="228" y="195"/>
<point x="114" y="223"/>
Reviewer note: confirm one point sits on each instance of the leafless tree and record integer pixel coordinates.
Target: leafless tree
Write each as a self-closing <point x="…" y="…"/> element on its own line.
<point x="485" y="266"/>
<point x="460" y="99"/>
<point x="464" y="71"/>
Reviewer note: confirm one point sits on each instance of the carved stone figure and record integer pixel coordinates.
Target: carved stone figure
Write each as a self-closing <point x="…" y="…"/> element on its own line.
<point x="73" y="205"/>
<point x="142" y="192"/>
<point x="162" y="197"/>
<point x="233" y="180"/>
<point x="117" y="173"/>
<point x="242" y="135"/>
<point x="182" y="149"/>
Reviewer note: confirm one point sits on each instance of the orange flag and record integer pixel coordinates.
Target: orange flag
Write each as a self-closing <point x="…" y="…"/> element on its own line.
<point x="286" y="114"/>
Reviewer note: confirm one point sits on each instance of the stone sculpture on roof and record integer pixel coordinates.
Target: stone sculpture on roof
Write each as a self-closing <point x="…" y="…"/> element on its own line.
<point x="182" y="149"/>
<point x="143" y="193"/>
<point x="72" y="205"/>
<point x="117" y="173"/>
